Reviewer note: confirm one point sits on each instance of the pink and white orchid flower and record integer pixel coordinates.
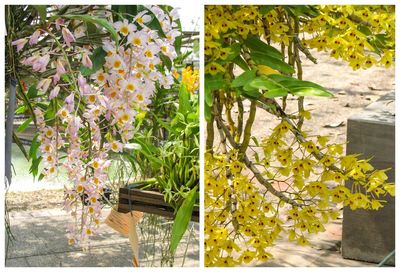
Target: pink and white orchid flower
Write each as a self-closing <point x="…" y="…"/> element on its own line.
<point x="20" y="43"/>
<point x="68" y="36"/>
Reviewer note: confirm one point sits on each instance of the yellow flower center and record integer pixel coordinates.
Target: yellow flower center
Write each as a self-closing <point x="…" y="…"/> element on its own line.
<point x="117" y="64"/>
<point x="95" y="165"/>
<point x="101" y="77"/>
<point x="49" y="133"/>
<point x="79" y="188"/>
<point x="139" y="97"/>
<point x="137" y="41"/>
<point x="114" y="147"/>
<point x="148" y="54"/>
<point x="125" y="117"/>
<point x="124" y="30"/>
<point x="130" y="87"/>
<point x="92" y="98"/>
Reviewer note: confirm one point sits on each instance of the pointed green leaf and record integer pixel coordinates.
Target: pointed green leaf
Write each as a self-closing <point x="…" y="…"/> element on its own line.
<point x="257" y="46"/>
<point x="250" y="92"/>
<point x="244" y="78"/>
<point x="300" y="87"/>
<point x="41" y="9"/>
<point x="272" y="62"/>
<point x="212" y="83"/>
<point x="24" y="125"/>
<point x="184" y="104"/>
<point x="235" y="51"/>
<point x="20" y="145"/>
<point x="182" y="218"/>
<point x="274" y="89"/>
<point x="239" y="61"/>
<point x="32" y="92"/>
<point x="265" y="9"/>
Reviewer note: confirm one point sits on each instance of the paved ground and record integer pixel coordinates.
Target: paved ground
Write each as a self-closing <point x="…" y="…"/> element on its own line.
<point x="323" y="251"/>
<point x="41" y="241"/>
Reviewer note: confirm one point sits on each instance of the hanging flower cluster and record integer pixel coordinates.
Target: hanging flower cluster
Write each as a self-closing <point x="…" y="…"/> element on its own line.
<point x="96" y="106"/>
<point x="287" y="184"/>
<point x="307" y="189"/>
<point x="363" y="36"/>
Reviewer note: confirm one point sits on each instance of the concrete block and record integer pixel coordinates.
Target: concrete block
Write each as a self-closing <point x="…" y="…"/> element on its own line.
<point x="370" y="235"/>
<point x="16" y="262"/>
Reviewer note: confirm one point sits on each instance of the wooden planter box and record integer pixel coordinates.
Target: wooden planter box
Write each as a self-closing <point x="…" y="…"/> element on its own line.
<point x="148" y="202"/>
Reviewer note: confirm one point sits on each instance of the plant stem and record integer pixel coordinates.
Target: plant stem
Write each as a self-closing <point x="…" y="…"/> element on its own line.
<point x="247" y="129"/>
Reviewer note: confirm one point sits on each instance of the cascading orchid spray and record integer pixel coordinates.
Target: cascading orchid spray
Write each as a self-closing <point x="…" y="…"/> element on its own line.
<point x="97" y="111"/>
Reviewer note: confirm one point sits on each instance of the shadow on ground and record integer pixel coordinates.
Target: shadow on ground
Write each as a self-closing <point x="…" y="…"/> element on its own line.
<point x="40" y="241"/>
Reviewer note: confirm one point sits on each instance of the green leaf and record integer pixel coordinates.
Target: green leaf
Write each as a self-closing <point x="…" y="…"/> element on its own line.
<point x="99" y="21"/>
<point x="250" y="92"/>
<point x="182" y="218"/>
<point x="32" y="92"/>
<point x="265" y="9"/>
<point x="34" y="169"/>
<point x="239" y="61"/>
<point x="34" y="147"/>
<point x="274" y="89"/>
<point x="212" y="83"/>
<point x="279" y="85"/>
<point x="24" y="125"/>
<point x="149" y="151"/>
<point x="301" y="10"/>
<point x="21" y="109"/>
<point x="178" y="40"/>
<point x="20" y="145"/>
<point x="301" y="87"/>
<point x="272" y="62"/>
<point x="166" y="61"/>
<point x="235" y="51"/>
<point x="244" y="78"/>
<point x="184" y="103"/>
<point x="41" y="9"/>
<point x="258" y="46"/>
<point x="364" y="29"/>
<point x="98" y="60"/>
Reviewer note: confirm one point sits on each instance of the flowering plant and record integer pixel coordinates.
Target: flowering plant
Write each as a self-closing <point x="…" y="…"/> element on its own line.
<point x="289" y="182"/>
<point x="92" y="74"/>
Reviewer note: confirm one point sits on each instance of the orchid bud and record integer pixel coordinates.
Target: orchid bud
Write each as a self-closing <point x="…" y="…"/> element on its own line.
<point x="54" y="92"/>
<point x="86" y="61"/>
<point x="68" y="36"/>
<point x="35" y="37"/>
<point x="20" y="43"/>
<point x="44" y="84"/>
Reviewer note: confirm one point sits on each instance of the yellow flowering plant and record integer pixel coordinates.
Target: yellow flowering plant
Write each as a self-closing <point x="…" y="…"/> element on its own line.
<point x="290" y="182"/>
